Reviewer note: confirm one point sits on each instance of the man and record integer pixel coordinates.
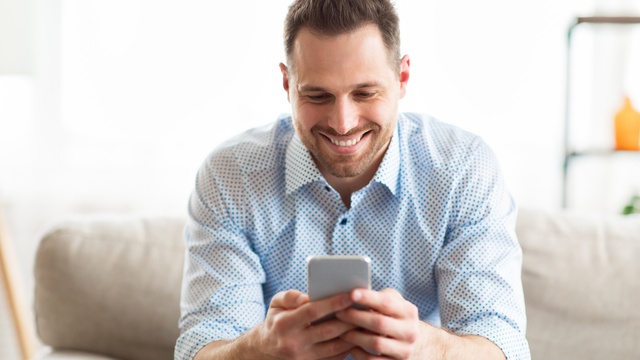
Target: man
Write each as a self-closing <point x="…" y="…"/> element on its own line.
<point x="347" y="173"/>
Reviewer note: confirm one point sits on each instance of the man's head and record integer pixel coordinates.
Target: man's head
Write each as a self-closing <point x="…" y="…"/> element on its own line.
<point x="337" y="17"/>
<point x="344" y="84"/>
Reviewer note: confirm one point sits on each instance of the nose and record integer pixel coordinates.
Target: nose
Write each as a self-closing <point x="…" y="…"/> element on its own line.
<point x="344" y="115"/>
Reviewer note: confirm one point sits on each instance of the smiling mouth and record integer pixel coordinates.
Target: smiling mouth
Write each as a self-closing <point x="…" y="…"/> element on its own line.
<point x="346" y="143"/>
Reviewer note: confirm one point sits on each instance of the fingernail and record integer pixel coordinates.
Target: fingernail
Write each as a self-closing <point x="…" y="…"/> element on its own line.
<point x="356" y="295"/>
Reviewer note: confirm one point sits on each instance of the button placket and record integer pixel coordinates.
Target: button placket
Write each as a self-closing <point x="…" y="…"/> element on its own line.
<point x="342" y="232"/>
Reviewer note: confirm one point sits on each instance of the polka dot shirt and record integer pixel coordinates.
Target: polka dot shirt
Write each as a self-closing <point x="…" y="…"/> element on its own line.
<point x="436" y="221"/>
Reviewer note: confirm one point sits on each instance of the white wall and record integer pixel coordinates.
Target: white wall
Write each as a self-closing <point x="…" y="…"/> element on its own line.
<point x="126" y="97"/>
<point x="158" y="84"/>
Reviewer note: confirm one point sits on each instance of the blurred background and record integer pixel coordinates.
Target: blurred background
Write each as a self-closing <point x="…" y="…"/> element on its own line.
<point x="111" y="106"/>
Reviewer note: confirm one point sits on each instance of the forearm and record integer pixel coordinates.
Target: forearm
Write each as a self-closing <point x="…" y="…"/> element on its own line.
<point x="448" y="346"/>
<point x="239" y="348"/>
<point x="222" y="349"/>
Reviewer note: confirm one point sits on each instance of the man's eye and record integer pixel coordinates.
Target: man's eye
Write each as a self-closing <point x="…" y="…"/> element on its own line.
<point x="317" y="97"/>
<point x="365" y="95"/>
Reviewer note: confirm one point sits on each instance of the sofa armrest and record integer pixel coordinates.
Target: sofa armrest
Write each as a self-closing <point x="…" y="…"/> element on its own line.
<point x="111" y="285"/>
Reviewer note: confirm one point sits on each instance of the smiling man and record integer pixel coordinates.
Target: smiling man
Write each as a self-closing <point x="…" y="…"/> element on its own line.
<point x="344" y="95"/>
<point x="347" y="173"/>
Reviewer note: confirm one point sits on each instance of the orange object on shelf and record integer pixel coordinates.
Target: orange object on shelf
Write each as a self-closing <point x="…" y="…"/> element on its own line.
<point x="627" y="127"/>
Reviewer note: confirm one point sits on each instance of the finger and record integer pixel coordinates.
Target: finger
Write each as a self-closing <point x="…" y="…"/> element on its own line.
<point x="376" y="344"/>
<point x="316" y="310"/>
<point x="341" y="356"/>
<point x="378" y="323"/>
<point x="338" y="357"/>
<point x="359" y="354"/>
<point x="334" y="349"/>
<point x="327" y="330"/>
<point x="290" y="299"/>
<point x="388" y="302"/>
<point x="298" y="319"/>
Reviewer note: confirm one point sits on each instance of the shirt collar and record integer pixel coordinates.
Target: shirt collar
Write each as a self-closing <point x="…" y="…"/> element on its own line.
<point x="389" y="170"/>
<point x="300" y="169"/>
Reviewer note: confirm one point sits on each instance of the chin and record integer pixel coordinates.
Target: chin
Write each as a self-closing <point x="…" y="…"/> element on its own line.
<point x="343" y="170"/>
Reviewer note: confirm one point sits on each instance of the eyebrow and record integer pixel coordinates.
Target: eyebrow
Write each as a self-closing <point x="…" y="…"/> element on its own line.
<point x="311" y="88"/>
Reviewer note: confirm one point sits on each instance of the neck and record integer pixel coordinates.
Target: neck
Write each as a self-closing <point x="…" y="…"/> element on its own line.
<point x="346" y="186"/>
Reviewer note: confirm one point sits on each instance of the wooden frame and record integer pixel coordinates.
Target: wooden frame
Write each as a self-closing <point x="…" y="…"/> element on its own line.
<point x="9" y="279"/>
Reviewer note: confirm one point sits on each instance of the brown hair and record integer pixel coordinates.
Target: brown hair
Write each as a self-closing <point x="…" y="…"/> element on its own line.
<point x="336" y="17"/>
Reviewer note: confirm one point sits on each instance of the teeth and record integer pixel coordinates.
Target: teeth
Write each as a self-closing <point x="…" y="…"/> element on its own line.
<point x="345" y="143"/>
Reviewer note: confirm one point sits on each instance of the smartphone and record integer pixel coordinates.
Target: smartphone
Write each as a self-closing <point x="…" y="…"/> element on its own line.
<point x="329" y="275"/>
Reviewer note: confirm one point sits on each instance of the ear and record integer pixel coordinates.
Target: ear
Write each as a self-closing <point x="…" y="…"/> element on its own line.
<point x="285" y="78"/>
<point x="405" y="64"/>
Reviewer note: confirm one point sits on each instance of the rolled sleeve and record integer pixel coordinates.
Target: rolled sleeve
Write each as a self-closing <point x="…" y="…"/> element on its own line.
<point x="222" y="293"/>
<point x="479" y="269"/>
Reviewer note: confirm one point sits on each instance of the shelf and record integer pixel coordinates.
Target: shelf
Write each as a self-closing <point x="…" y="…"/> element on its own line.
<point x="608" y="20"/>
<point x="602" y="153"/>
<point x="571" y="154"/>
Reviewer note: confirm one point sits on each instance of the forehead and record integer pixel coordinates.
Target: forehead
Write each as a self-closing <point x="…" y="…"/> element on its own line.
<point x="357" y="54"/>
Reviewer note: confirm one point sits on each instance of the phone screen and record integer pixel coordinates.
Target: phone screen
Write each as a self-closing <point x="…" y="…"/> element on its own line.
<point x="329" y="275"/>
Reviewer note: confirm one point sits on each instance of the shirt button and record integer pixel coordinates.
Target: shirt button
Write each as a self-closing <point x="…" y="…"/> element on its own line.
<point x="343" y="221"/>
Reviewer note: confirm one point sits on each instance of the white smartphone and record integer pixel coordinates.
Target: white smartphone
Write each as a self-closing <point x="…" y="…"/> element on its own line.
<point x="329" y="275"/>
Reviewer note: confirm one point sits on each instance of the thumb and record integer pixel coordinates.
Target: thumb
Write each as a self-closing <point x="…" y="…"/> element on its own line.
<point x="290" y="299"/>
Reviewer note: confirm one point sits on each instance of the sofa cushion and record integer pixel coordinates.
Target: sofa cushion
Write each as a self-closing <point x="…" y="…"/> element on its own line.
<point x="50" y="354"/>
<point x="111" y="285"/>
<point x="581" y="278"/>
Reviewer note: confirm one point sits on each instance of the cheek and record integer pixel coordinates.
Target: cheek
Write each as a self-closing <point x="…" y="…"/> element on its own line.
<point x="381" y="113"/>
<point x="308" y="115"/>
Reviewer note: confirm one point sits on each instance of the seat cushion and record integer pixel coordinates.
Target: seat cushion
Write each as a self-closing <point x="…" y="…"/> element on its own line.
<point x="111" y="285"/>
<point x="581" y="278"/>
<point x="50" y="354"/>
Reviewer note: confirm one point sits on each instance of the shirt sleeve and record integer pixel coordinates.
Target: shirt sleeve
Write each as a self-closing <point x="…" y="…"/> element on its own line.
<point x="479" y="268"/>
<point x="222" y="281"/>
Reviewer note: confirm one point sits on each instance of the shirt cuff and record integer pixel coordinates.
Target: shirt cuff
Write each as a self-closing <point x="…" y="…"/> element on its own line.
<point x="511" y="341"/>
<point x="194" y="339"/>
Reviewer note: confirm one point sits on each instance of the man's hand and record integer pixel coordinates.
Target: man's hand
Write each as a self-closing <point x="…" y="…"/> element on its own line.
<point x="286" y="332"/>
<point x="392" y="329"/>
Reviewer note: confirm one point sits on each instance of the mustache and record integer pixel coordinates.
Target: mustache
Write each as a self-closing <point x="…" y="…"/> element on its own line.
<point x="332" y="132"/>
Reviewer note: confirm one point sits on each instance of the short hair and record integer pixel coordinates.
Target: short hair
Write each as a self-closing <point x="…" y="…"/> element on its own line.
<point x="337" y="17"/>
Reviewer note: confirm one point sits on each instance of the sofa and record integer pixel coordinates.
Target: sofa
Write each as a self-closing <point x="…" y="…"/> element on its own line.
<point x="108" y="287"/>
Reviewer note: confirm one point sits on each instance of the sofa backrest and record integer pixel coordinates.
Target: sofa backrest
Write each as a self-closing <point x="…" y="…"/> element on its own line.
<point x="111" y="285"/>
<point x="581" y="278"/>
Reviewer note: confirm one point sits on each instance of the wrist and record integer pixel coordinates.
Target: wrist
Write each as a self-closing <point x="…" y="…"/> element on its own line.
<point x="440" y="344"/>
<point x="250" y="344"/>
<point x="244" y="346"/>
<point x="433" y="342"/>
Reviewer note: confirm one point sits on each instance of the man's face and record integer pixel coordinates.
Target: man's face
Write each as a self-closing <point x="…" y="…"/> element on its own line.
<point x="344" y="96"/>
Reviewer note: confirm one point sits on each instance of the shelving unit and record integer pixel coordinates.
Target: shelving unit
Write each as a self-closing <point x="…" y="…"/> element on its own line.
<point x="570" y="153"/>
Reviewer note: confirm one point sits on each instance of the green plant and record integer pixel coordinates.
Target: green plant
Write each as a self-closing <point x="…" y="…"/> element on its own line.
<point x="633" y="207"/>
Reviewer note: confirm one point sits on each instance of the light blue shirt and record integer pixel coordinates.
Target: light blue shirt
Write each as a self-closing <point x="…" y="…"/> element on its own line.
<point x="436" y="221"/>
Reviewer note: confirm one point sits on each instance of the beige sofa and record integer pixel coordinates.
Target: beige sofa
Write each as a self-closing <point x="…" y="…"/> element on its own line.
<point x="108" y="287"/>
